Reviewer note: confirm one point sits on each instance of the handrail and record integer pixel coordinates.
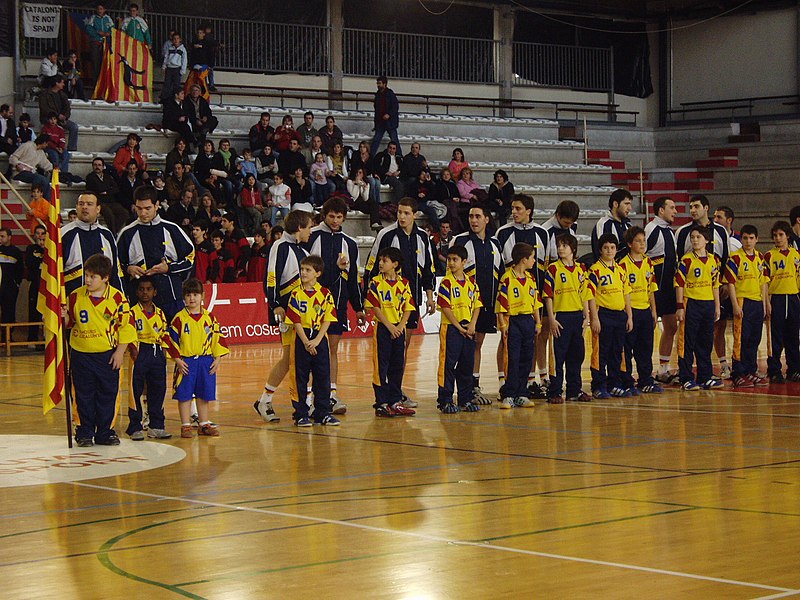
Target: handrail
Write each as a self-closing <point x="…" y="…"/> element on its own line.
<point x="749" y="100"/>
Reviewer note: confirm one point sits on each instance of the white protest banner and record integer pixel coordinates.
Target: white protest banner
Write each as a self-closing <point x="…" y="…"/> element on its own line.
<point x="41" y="20"/>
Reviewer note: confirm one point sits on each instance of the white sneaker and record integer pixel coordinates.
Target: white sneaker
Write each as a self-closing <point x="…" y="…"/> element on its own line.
<point x="725" y="372"/>
<point x="408" y="402"/>
<point x="479" y="398"/>
<point x="339" y="407"/>
<point x="506" y="403"/>
<point x="265" y="411"/>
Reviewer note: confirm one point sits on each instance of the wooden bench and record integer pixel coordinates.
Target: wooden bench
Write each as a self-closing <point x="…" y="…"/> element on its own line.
<point x="8" y="342"/>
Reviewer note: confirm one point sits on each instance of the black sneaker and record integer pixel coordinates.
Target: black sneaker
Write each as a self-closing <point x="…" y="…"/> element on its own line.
<point x="84" y="442"/>
<point x="794" y="376"/>
<point x="384" y="411"/>
<point x="111" y="440"/>
<point x="448" y="408"/>
<point x="535" y="391"/>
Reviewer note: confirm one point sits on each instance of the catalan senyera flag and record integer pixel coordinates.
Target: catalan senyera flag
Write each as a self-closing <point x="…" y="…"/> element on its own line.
<point x="127" y="70"/>
<point x="51" y="298"/>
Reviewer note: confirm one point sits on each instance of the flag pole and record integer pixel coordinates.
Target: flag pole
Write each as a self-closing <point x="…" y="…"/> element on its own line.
<point x="67" y="383"/>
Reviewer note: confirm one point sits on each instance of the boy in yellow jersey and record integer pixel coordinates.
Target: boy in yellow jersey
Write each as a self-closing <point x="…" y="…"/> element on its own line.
<point x="201" y="344"/>
<point x="518" y="318"/>
<point x="101" y="329"/>
<point x="460" y="304"/>
<point x="311" y="311"/>
<point x="566" y="297"/>
<point x="641" y="276"/>
<point x="783" y="268"/>
<point x="390" y="299"/>
<point x="697" y="281"/>
<point x="150" y="363"/>
<point x="746" y="277"/>
<point x="610" y="307"/>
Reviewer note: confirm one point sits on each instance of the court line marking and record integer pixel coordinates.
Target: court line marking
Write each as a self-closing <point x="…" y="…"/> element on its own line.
<point x="444" y="540"/>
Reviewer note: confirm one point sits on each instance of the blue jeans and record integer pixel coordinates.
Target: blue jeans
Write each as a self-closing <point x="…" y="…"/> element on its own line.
<point x="381" y="129"/>
<point x="276" y="210"/>
<point x="31" y="177"/>
<point x="321" y="191"/>
<point x="59" y="160"/>
<point x="72" y="138"/>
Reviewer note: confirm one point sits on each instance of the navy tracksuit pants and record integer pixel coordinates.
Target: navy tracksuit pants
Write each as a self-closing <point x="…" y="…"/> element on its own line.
<point x="747" y="337"/>
<point x="301" y="365"/>
<point x="607" y="353"/>
<point x="569" y="349"/>
<point x="639" y="347"/>
<point x="520" y="350"/>
<point x="149" y="369"/>
<point x="456" y="359"/>
<point x="96" y="389"/>
<point x="389" y="363"/>
<point x="697" y="331"/>
<point x="785" y="329"/>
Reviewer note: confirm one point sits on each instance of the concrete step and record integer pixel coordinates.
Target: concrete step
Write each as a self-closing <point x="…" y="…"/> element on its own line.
<point x="763" y="178"/>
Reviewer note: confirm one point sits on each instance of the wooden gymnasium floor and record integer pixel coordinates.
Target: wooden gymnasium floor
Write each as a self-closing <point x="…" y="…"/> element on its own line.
<point x="684" y="495"/>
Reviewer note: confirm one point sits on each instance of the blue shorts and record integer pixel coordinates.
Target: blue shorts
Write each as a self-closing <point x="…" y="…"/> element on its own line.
<point x="198" y="383"/>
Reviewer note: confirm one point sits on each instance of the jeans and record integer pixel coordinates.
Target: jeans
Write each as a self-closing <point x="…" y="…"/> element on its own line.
<point x="31" y="177"/>
<point x="381" y="129"/>
<point x="72" y="138"/>
<point x="60" y="160"/>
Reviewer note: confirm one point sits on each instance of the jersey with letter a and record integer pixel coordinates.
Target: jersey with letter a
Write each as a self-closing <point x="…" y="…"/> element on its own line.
<point x="517" y="295"/>
<point x="311" y="308"/>
<point x="198" y="335"/>
<point x="783" y="269"/>
<point x="151" y="328"/>
<point x="99" y="324"/>
<point x="462" y="297"/>
<point x="568" y="287"/>
<point x="609" y="285"/>
<point x="698" y="276"/>
<point x="641" y="279"/>
<point x="393" y="298"/>
<point x="747" y="273"/>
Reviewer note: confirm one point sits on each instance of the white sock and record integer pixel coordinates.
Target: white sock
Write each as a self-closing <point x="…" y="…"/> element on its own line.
<point x="266" y="395"/>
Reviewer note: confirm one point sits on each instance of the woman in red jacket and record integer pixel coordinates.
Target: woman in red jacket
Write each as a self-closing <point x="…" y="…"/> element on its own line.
<point x="130" y="151"/>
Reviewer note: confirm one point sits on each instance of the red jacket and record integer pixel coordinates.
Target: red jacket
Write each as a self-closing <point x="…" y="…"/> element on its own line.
<point x="124" y="156"/>
<point x="55" y="133"/>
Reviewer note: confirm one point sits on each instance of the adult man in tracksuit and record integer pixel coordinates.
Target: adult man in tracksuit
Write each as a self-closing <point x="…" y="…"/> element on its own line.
<point x="615" y="222"/>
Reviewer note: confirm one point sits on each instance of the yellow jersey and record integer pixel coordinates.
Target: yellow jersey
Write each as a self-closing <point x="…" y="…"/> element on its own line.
<point x="517" y="295"/>
<point x="151" y="328"/>
<point x="311" y="308"/>
<point x="609" y="285"/>
<point x="747" y="274"/>
<point x="568" y="287"/>
<point x="393" y="298"/>
<point x="641" y="280"/>
<point x="99" y="324"/>
<point x="698" y="276"/>
<point x="783" y="270"/>
<point x="462" y="297"/>
<point x="198" y="335"/>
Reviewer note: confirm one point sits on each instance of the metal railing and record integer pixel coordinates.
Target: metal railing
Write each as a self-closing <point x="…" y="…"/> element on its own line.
<point x="576" y="68"/>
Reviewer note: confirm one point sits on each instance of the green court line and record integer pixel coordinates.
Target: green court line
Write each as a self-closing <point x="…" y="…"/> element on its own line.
<point x="581" y="525"/>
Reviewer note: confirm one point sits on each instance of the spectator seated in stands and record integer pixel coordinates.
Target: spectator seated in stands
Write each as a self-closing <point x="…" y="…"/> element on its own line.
<point x="448" y="195"/>
<point x="251" y="205"/>
<point x="457" y="163"/>
<point x="266" y="167"/>
<point x="203" y="123"/>
<point x="131" y="152"/>
<point x="48" y="67"/>
<point x="318" y="174"/>
<point x="261" y="133"/>
<point x="24" y="131"/>
<point x="176" y="182"/>
<point x="208" y="211"/>
<point x="441" y="242"/>
<point x="39" y="206"/>
<point x="413" y="164"/>
<point x="389" y="164"/>
<point x="424" y="192"/>
<point x="313" y="149"/>
<point x="229" y="158"/>
<point x="469" y="189"/>
<point x="176" y="118"/>
<point x="55" y="100"/>
<point x="284" y="135"/>
<point x="160" y="186"/>
<point x="56" y="148"/>
<point x="359" y="190"/>
<point x="103" y="185"/>
<point x="330" y="135"/>
<point x="71" y="68"/>
<point x="210" y="170"/>
<point x="291" y="159"/>
<point x="341" y="166"/>
<point x="246" y="165"/>
<point x="307" y="131"/>
<point x="182" y="213"/>
<point x="302" y="193"/>
<point x="8" y="134"/>
<point x="30" y="158"/>
<point x="131" y="180"/>
<point x="501" y="192"/>
<point x="363" y="160"/>
<point x="279" y="198"/>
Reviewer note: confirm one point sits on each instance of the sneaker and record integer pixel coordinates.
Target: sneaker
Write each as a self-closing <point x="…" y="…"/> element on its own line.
<point x="523" y="402"/>
<point x="690" y="386"/>
<point x="479" y="398"/>
<point x="111" y="440"/>
<point x="777" y="378"/>
<point x="653" y="388"/>
<point x="265" y="411"/>
<point x="84" y="442"/>
<point x="758" y="380"/>
<point x="668" y="378"/>
<point x="536" y="391"/>
<point x="633" y="391"/>
<point x="555" y="399"/>
<point x="794" y="376"/>
<point x="338" y="407"/>
<point x="448" y="408"/>
<point x="208" y="429"/>
<point x="159" y="434"/>
<point x="407" y="402"/>
<point x="581" y="397"/>
<point x="713" y="384"/>
<point x="600" y="394"/>
<point x="469" y="407"/>
<point x="743" y="382"/>
<point x="725" y="371"/>
<point x="716" y="377"/>
<point x="384" y="411"/>
<point x="137" y="436"/>
<point x="619" y="392"/>
<point x="330" y="420"/>
<point x="506" y="403"/>
<point x="400" y="409"/>
<point x="187" y="431"/>
<point x="303" y="422"/>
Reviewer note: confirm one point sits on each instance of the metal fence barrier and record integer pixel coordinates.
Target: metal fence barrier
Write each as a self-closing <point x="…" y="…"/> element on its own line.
<point x="577" y="68"/>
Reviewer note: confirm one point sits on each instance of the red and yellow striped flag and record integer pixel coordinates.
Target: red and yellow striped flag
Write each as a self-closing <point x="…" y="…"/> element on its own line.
<point x="127" y="70"/>
<point x="51" y="298"/>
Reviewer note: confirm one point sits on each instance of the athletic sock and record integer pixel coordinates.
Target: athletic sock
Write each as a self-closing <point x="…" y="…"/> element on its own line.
<point x="266" y="395"/>
<point x="663" y="366"/>
<point x="205" y="423"/>
<point x="333" y="391"/>
<point x="542" y="374"/>
<point x="501" y="375"/>
<point x="476" y="380"/>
